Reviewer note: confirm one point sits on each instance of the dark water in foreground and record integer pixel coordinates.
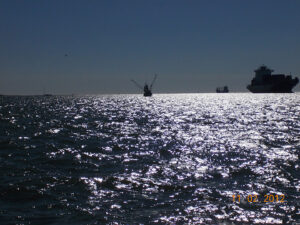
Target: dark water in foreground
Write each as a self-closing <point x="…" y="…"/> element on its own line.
<point x="166" y="159"/>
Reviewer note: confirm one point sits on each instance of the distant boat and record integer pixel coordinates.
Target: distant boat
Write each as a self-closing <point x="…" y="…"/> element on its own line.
<point x="147" y="90"/>
<point x="266" y="82"/>
<point x="45" y="93"/>
<point x="222" y="89"/>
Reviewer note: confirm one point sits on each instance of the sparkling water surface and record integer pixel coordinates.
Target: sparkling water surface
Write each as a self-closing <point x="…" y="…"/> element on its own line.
<point x="168" y="159"/>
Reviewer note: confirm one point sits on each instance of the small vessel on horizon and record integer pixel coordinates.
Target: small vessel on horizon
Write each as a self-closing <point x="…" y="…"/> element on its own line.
<point x="222" y="89"/>
<point x="266" y="82"/>
<point x="45" y="94"/>
<point x="147" y="90"/>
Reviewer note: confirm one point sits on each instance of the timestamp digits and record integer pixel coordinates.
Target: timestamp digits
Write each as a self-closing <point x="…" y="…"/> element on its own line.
<point x="256" y="198"/>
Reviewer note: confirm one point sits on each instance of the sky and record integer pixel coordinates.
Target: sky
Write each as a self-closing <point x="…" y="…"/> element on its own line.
<point x="97" y="46"/>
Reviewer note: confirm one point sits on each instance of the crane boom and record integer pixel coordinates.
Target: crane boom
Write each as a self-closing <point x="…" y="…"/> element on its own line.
<point x="137" y="84"/>
<point x="155" y="76"/>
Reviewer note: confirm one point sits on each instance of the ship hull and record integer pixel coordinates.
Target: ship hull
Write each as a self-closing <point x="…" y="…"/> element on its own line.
<point x="222" y="91"/>
<point x="148" y="94"/>
<point x="270" y="88"/>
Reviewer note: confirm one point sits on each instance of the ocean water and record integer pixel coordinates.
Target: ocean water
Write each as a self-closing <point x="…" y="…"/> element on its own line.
<point x="169" y="159"/>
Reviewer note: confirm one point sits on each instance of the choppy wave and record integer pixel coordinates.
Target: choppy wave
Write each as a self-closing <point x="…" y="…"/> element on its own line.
<point x="166" y="159"/>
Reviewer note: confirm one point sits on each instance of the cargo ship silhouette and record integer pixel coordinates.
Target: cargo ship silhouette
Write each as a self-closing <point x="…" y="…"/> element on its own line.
<point x="266" y="82"/>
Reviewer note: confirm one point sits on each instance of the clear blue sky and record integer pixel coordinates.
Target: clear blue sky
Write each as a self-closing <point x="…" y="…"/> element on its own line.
<point x="194" y="46"/>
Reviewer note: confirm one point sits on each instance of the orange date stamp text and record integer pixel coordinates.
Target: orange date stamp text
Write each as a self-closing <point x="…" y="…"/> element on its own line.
<point x="256" y="198"/>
